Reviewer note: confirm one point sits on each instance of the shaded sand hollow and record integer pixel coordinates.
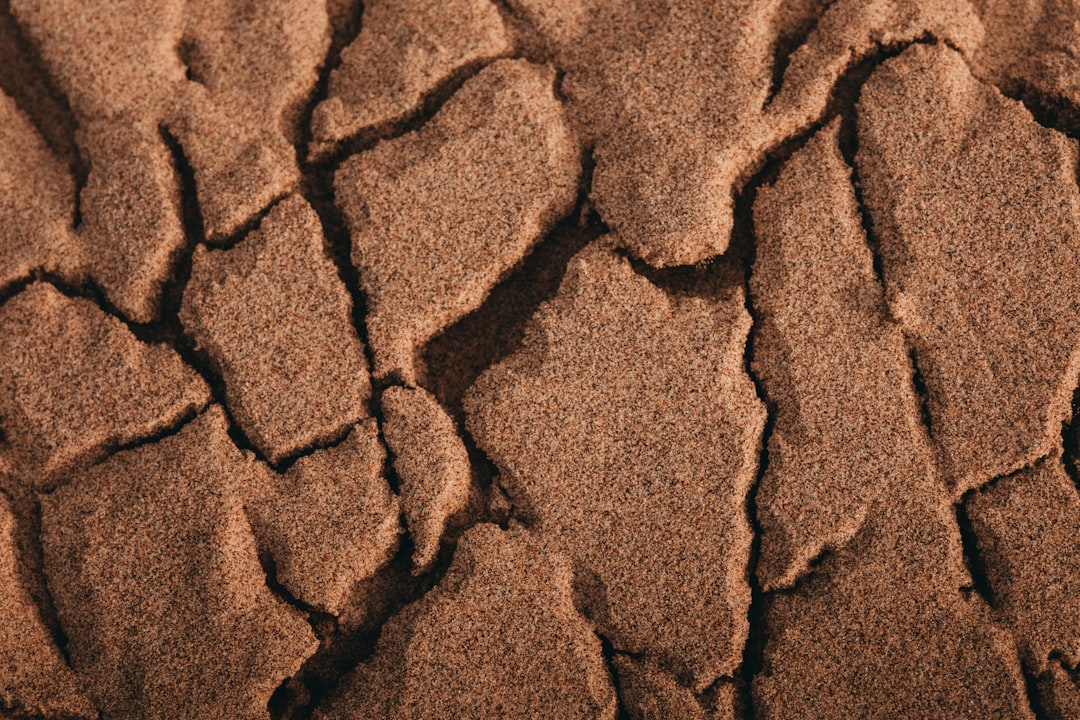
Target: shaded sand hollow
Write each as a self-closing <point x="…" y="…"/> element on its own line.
<point x="650" y="359"/>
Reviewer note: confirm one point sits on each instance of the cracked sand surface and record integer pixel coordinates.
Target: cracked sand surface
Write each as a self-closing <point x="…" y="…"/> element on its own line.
<point x="514" y="358"/>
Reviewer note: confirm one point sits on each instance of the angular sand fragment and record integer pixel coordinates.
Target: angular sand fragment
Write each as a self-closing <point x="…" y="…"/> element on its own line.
<point x="830" y="361"/>
<point x="676" y="99"/>
<point x="77" y="382"/>
<point x="648" y="693"/>
<point x="157" y="582"/>
<point x="37" y="202"/>
<point x="116" y="63"/>
<point x="432" y="463"/>
<point x="253" y="64"/>
<point x="499" y="637"/>
<point x="331" y="521"/>
<point x="1028" y="530"/>
<point x="627" y="429"/>
<point x="275" y="317"/>
<point x="405" y="50"/>
<point x="978" y="217"/>
<point x="34" y="681"/>
<point x="1059" y="691"/>
<point x="439" y="216"/>
<point x="882" y="630"/>
<point x="1032" y="48"/>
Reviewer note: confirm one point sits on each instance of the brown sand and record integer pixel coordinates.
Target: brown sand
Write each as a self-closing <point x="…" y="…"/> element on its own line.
<point x="404" y="51"/>
<point x="633" y="449"/>
<point x="251" y="66"/>
<point x="331" y="520"/>
<point x="78" y="383"/>
<point x="498" y="637"/>
<point x="242" y="306"/>
<point x="1028" y="531"/>
<point x="1032" y="49"/>
<point x="432" y="465"/>
<point x="35" y="202"/>
<point x="1061" y="688"/>
<point x="648" y="693"/>
<point x="438" y="216"/>
<point x="824" y="349"/>
<point x="891" y="560"/>
<point x="676" y="99"/>
<point x="34" y="680"/>
<point x="155" y="575"/>
<point x="981" y="254"/>
<point x="880" y="629"/>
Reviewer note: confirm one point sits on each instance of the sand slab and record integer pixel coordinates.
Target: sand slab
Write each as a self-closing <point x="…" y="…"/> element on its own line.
<point x="625" y="427"/>
<point x="77" y="383"/>
<point x="432" y="465"/>
<point x="439" y="216"/>
<point x="1028" y="531"/>
<point x="331" y="520"/>
<point x="831" y="362"/>
<point x="978" y="216"/>
<point x="34" y="679"/>
<point x="276" y="320"/>
<point x="498" y="638"/>
<point x="404" y="51"/>
<point x="157" y="582"/>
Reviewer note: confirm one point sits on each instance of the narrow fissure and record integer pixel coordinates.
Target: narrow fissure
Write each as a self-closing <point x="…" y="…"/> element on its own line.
<point x="1070" y="441"/>
<point x="973" y="560"/>
<point x="609" y="651"/>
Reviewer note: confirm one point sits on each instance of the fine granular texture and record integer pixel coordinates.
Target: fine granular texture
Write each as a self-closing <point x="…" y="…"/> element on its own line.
<point x="500" y="637"/>
<point x="645" y="506"/>
<point x="331" y="521"/>
<point x="440" y="215"/>
<point x="76" y="381"/>
<point x="1028" y="530"/>
<point x="35" y="680"/>
<point x="981" y="256"/>
<point x="239" y="307"/>
<point x="431" y="462"/>
<point x="156" y="577"/>
<point x="648" y="359"/>
<point x="404" y="52"/>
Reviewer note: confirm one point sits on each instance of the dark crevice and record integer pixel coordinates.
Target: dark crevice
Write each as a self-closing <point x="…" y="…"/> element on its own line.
<point x="1034" y="698"/>
<point x="459" y="354"/>
<point x="249" y="226"/>
<point x="609" y="652"/>
<point x="329" y="161"/>
<point x="25" y="505"/>
<point x="801" y="18"/>
<point x="1070" y="441"/>
<point x="973" y="559"/>
<point x="344" y="643"/>
<point x="1052" y="113"/>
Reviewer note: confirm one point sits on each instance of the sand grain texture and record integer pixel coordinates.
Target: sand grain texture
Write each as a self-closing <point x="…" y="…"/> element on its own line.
<point x="331" y="521"/>
<point x="34" y="679"/>
<point x="405" y="51"/>
<point x="881" y="623"/>
<point x="824" y="349"/>
<point x="499" y="637"/>
<point x="431" y="462"/>
<point x="1028" y="531"/>
<point x="646" y="692"/>
<point x="37" y="202"/>
<point x="981" y="256"/>
<point x="440" y="215"/>
<point x="77" y="383"/>
<point x="625" y="427"/>
<point x="156" y="577"/>
<point x="276" y="320"/>
<point x="676" y="99"/>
